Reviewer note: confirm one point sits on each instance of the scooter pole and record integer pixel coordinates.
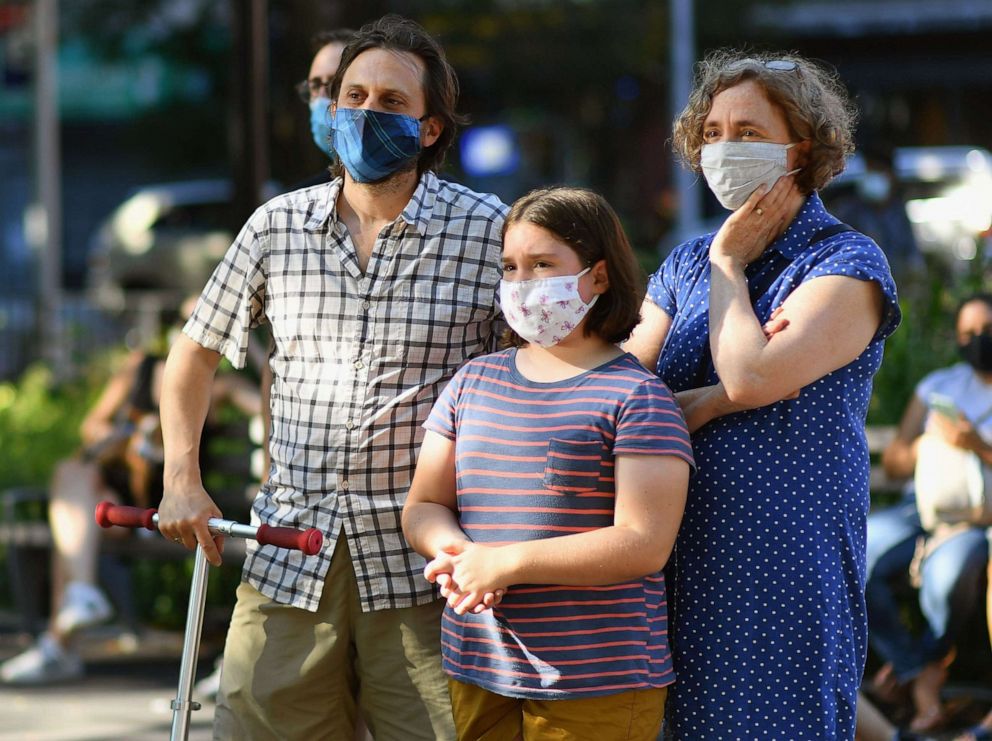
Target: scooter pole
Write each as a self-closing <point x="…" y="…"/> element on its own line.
<point x="308" y="541"/>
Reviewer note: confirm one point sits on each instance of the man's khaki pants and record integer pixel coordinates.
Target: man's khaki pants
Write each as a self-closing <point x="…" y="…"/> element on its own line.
<point x="293" y="674"/>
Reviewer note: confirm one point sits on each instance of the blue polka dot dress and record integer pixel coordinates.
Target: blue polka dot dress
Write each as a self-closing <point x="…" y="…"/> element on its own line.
<point x="769" y="626"/>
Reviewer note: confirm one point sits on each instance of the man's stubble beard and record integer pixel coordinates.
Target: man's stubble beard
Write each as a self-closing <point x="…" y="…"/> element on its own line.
<point x="394" y="182"/>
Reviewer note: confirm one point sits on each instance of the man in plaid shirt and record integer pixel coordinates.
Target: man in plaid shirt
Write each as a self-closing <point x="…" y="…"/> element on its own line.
<point x="377" y="287"/>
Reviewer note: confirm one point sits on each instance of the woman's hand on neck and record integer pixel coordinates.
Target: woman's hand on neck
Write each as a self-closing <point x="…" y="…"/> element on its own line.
<point x="763" y="218"/>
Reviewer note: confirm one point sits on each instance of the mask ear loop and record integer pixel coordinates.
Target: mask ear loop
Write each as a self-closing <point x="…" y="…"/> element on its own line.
<point x="595" y="296"/>
<point x="790" y="145"/>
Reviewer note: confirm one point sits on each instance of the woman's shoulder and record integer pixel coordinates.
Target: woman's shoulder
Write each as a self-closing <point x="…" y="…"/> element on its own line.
<point x="695" y="248"/>
<point x="684" y="260"/>
<point x="853" y="245"/>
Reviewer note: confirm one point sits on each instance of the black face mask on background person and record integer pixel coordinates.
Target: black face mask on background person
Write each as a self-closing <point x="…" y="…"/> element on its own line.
<point x="977" y="352"/>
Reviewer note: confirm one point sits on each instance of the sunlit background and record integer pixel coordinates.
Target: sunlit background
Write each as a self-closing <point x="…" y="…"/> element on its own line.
<point x="136" y="137"/>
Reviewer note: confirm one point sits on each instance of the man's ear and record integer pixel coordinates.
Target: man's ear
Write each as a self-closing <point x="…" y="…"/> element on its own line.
<point x="431" y="131"/>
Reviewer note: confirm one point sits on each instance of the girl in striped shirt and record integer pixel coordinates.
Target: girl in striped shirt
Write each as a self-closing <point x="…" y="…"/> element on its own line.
<point x="548" y="493"/>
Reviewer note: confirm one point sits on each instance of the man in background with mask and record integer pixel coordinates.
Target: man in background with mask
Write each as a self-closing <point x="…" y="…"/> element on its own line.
<point x="315" y="92"/>
<point x="377" y="287"/>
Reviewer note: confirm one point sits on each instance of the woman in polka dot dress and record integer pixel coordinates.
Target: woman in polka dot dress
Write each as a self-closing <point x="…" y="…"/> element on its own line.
<point x="771" y="330"/>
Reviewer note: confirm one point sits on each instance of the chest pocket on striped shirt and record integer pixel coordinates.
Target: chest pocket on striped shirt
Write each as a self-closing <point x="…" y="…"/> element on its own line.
<point x="573" y="466"/>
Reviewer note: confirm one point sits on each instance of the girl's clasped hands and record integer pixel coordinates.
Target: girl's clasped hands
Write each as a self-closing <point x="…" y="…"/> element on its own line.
<point x="464" y="571"/>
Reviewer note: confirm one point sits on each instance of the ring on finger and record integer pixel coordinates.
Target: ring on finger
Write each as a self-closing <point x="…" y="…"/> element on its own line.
<point x="758" y="210"/>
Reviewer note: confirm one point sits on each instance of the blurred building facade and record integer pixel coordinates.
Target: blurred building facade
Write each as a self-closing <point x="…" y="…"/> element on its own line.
<point x="921" y="70"/>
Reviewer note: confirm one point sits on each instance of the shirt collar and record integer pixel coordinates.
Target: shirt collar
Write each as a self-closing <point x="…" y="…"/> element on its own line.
<point x="417" y="213"/>
<point x="419" y="210"/>
<point x="812" y="217"/>
<point x="325" y="206"/>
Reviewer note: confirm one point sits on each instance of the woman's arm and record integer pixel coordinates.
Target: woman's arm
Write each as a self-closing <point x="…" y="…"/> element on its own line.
<point x="649" y="335"/>
<point x="832" y="319"/>
<point x="702" y="405"/>
<point x="699" y="405"/>
<point x="650" y="499"/>
<point x="899" y="456"/>
<point x="706" y="403"/>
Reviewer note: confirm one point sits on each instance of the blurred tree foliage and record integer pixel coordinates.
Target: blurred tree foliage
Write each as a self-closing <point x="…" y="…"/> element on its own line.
<point x="39" y="420"/>
<point x="926" y="339"/>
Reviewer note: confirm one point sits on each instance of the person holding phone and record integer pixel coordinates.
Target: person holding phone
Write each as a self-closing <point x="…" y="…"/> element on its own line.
<point x="955" y="404"/>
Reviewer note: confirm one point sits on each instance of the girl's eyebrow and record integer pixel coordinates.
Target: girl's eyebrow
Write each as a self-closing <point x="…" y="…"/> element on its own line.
<point x="537" y="255"/>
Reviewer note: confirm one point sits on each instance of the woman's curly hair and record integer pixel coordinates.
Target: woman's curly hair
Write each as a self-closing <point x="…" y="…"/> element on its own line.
<point x="815" y="103"/>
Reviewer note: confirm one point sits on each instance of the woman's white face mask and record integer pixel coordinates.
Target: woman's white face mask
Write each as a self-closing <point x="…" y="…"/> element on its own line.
<point x="734" y="170"/>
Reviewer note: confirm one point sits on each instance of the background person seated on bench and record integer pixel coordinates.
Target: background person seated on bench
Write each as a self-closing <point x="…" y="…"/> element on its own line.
<point x="950" y="575"/>
<point x="120" y="460"/>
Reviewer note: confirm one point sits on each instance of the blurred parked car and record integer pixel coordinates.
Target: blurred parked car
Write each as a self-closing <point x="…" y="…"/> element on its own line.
<point x="948" y="193"/>
<point x="164" y="238"/>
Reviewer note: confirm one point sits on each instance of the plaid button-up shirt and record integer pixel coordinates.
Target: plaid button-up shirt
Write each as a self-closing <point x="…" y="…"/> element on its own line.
<point x="359" y="359"/>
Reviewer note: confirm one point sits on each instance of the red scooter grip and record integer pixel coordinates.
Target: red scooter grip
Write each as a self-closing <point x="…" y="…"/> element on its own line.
<point x="309" y="541"/>
<point x="109" y="514"/>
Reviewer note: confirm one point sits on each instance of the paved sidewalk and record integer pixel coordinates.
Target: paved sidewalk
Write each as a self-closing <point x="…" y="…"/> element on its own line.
<point x="126" y="694"/>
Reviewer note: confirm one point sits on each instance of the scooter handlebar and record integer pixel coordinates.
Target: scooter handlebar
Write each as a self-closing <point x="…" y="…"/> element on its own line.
<point x="109" y="514"/>
<point x="309" y="541"/>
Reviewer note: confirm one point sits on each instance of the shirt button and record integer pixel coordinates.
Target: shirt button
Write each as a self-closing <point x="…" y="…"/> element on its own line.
<point x="349" y="425"/>
<point x="359" y="364"/>
<point x="366" y="305"/>
<point x="344" y="484"/>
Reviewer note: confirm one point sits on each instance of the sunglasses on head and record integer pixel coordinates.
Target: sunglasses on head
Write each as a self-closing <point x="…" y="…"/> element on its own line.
<point x="777" y="65"/>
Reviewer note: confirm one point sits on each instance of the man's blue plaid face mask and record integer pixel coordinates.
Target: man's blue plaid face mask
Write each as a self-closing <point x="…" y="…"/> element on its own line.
<point x="373" y="145"/>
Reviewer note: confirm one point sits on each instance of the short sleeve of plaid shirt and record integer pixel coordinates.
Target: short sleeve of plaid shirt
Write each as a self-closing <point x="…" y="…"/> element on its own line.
<point x="359" y="358"/>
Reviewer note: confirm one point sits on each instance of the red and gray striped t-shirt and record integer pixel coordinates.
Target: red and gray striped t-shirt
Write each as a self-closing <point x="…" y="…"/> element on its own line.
<point x="535" y="460"/>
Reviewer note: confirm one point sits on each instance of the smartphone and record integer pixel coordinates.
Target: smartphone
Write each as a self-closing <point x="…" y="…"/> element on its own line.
<point x="944" y="406"/>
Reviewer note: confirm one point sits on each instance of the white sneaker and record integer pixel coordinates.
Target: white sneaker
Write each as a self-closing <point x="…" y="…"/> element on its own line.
<point x="83" y="605"/>
<point x="43" y="663"/>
